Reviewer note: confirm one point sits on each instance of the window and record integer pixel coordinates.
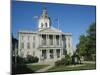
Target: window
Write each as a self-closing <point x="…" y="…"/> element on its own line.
<point x="28" y="45"/>
<point x="22" y="45"/>
<point x="58" y="53"/>
<point x="57" y="40"/>
<point x="44" y="39"/>
<point x="51" y="54"/>
<point x="33" y="41"/>
<point x="44" y="55"/>
<point x="33" y="44"/>
<point x="51" y="39"/>
<point x="69" y="45"/>
<point x="33" y="37"/>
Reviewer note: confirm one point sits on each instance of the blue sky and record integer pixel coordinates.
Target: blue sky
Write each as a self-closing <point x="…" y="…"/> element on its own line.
<point x="72" y="18"/>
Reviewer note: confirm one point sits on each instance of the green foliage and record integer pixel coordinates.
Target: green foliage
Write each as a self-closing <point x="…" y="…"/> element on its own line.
<point x="87" y="44"/>
<point x="20" y="60"/>
<point x="72" y="68"/>
<point x="32" y="59"/>
<point x="68" y="60"/>
<point x="28" y="59"/>
<point x="81" y="47"/>
<point x="21" y="69"/>
<point x="64" y="61"/>
<point x="76" y="56"/>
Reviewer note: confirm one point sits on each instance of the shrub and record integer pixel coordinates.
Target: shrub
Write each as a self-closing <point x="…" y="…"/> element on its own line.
<point x="57" y="63"/>
<point x="32" y="59"/>
<point x="91" y="57"/>
<point x="68" y="59"/>
<point x="64" y="61"/>
<point x="20" y="60"/>
<point x="28" y="59"/>
<point x="76" y="59"/>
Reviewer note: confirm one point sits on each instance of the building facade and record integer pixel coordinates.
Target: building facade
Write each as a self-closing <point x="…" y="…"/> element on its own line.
<point x="47" y="43"/>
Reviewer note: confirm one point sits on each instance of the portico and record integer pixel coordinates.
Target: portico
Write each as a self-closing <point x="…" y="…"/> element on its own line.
<point x="47" y="55"/>
<point x="50" y="40"/>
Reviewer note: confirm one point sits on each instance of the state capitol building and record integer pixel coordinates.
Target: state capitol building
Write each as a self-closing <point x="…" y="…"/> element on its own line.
<point x="47" y="43"/>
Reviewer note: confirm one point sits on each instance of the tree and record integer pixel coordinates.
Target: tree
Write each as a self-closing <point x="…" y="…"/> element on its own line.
<point x="14" y="45"/>
<point x="64" y="61"/>
<point x="91" y="34"/>
<point x="91" y="46"/>
<point x="87" y="44"/>
<point x="81" y="47"/>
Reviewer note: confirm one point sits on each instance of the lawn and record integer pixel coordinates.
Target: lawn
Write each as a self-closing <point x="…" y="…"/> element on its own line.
<point x="24" y="69"/>
<point x="36" y="67"/>
<point x="73" y="67"/>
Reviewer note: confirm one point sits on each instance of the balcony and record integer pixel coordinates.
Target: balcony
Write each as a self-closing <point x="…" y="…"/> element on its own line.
<point x="50" y="41"/>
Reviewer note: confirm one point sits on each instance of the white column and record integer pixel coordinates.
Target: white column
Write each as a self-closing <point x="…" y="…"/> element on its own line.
<point x="54" y="40"/>
<point x="48" y="54"/>
<point x="60" y="52"/>
<point x="55" y="54"/>
<point x="41" y="40"/>
<point x="59" y="40"/>
<point x="48" y="40"/>
<point x="40" y="56"/>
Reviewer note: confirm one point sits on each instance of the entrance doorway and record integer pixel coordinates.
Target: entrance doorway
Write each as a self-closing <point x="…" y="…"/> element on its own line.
<point x="44" y="54"/>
